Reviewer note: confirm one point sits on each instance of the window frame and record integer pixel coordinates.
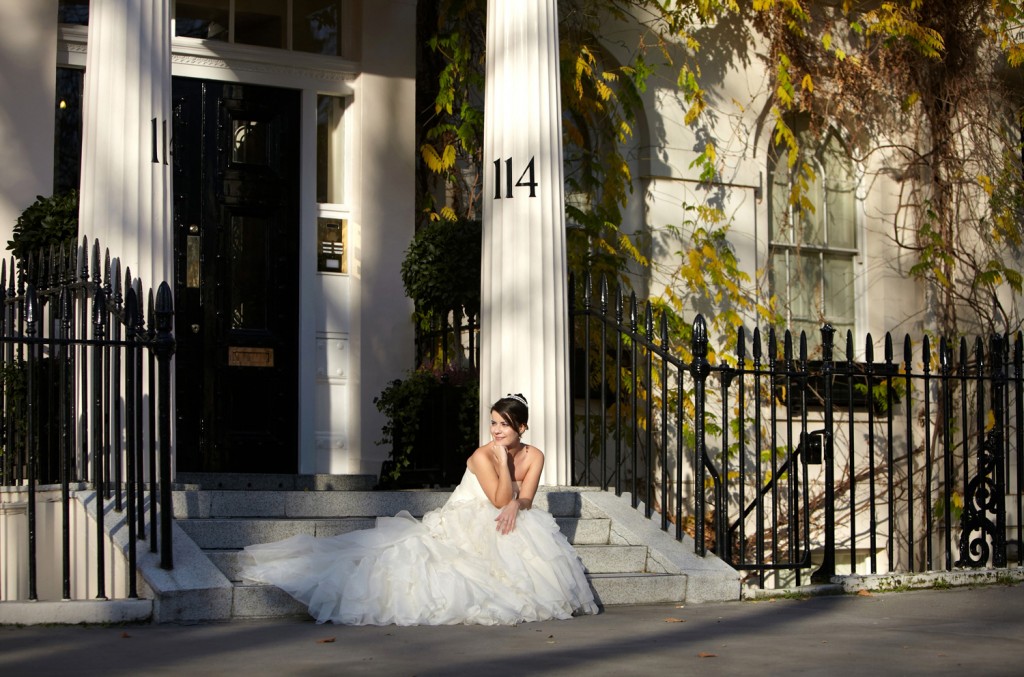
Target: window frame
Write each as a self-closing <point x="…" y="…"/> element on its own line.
<point x="789" y="244"/>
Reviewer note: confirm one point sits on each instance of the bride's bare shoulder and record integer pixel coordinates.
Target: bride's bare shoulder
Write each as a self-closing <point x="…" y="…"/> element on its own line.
<point x="481" y="455"/>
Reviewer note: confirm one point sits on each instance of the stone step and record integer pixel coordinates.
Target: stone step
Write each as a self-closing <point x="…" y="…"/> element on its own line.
<point x="276" y="482"/>
<point x="609" y="559"/>
<point x="646" y="588"/>
<point x="264" y="601"/>
<point x="597" y="559"/>
<point x="334" y="504"/>
<point x="220" y="534"/>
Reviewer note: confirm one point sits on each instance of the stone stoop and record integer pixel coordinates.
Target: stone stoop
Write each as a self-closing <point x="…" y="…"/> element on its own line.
<point x="621" y="566"/>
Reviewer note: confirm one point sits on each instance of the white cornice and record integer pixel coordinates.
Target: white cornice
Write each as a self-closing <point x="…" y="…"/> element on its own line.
<point x="238" y="58"/>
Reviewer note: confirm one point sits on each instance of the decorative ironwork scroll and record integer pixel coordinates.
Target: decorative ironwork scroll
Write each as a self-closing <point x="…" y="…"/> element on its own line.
<point x="979" y="535"/>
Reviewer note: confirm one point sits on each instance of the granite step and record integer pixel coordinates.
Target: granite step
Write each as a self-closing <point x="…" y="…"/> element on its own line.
<point x="597" y="559"/>
<point x="223" y="517"/>
<point x="332" y="504"/>
<point x="218" y="533"/>
<point x="265" y="601"/>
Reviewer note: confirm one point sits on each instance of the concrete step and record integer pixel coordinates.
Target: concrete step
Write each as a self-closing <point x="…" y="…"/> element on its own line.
<point x="276" y="482"/>
<point x="597" y="559"/>
<point x="608" y="559"/>
<point x="219" y="534"/>
<point x="645" y="588"/>
<point x="266" y="601"/>
<point x="332" y="504"/>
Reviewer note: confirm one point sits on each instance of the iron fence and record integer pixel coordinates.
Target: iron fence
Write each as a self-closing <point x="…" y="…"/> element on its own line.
<point x="86" y="399"/>
<point x="790" y="466"/>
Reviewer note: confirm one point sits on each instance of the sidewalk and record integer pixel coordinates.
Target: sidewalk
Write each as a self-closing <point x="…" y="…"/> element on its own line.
<point x="935" y="632"/>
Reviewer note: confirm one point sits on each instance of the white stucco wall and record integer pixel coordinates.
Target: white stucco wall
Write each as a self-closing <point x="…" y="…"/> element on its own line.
<point x="736" y="119"/>
<point x="28" y="58"/>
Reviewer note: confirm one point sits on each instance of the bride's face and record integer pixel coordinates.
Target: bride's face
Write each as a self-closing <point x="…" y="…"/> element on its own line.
<point x="502" y="431"/>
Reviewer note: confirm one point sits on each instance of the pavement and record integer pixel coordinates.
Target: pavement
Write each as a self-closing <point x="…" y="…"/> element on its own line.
<point x="975" y="630"/>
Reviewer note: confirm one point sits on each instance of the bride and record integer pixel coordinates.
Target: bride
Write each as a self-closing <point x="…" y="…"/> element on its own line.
<point x="486" y="557"/>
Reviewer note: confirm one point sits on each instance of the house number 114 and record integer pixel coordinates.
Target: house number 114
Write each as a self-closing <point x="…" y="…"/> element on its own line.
<point x="526" y="179"/>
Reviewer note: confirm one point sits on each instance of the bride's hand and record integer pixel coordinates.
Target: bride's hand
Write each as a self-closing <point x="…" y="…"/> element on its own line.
<point x="500" y="452"/>
<point x="506" y="519"/>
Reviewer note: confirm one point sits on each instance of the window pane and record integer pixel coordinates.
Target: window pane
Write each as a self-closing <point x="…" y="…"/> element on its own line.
<point x="840" y="195"/>
<point x="779" y="278"/>
<point x="805" y="286"/>
<point x="67" y="140"/>
<point x="838" y="281"/>
<point x="779" y="203"/>
<point x="316" y="26"/>
<point x="261" y="22"/>
<point x="203" y="19"/>
<point x="73" y="12"/>
<point x="812" y="212"/>
<point x="250" y="144"/>
<point x="330" y="149"/>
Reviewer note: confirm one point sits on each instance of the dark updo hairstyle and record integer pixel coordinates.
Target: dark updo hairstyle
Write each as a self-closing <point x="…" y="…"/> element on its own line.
<point x="514" y="410"/>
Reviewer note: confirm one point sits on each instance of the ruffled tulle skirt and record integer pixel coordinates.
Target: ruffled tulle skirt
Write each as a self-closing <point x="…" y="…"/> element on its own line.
<point x="451" y="567"/>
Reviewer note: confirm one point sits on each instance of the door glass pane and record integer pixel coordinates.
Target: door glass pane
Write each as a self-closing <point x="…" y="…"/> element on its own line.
<point x="203" y="19"/>
<point x="249" y="142"/>
<point x="316" y="26"/>
<point x="330" y="149"/>
<point x="261" y="22"/>
<point x="247" y="285"/>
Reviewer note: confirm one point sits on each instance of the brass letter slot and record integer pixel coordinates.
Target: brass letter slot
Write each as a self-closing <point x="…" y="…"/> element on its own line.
<point x="250" y="357"/>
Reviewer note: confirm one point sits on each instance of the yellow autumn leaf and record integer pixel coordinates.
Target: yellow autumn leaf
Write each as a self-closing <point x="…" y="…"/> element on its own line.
<point x="431" y="157"/>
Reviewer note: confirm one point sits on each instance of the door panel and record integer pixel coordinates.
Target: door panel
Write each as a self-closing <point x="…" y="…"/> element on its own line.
<point x="236" y="251"/>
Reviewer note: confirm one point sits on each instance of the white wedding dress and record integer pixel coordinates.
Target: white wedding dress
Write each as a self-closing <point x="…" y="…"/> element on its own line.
<point x="451" y="567"/>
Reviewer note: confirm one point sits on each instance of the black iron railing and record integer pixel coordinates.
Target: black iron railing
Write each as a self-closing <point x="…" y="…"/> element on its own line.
<point x="790" y="466"/>
<point x="86" y="402"/>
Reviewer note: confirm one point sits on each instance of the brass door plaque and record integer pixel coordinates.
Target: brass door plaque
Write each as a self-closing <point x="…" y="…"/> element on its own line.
<point x="250" y="357"/>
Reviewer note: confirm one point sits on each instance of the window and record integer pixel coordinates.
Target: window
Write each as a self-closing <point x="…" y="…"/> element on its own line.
<point x="74" y="12"/>
<point x="812" y="235"/>
<point x="330" y="149"/>
<point x="67" y="137"/>
<point x="302" y="25"/>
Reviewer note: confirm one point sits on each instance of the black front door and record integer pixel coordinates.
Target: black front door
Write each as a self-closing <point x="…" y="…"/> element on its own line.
<point x="236" y="242"/>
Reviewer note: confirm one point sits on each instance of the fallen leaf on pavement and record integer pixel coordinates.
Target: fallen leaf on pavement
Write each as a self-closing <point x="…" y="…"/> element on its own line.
<point x="674" y="620"/>
<point x="325" y="640"/>
<point x="704" y="654"/>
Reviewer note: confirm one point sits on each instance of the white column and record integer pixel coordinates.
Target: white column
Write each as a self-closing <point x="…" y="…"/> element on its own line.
<point x="126" y="125"/>
<point x="523" y="323"/>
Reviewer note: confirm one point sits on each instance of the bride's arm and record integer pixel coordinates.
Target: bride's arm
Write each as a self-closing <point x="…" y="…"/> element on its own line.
<point x="496" y="483"/>
<point x="506" y="519"/>
<point x="528" y="487"/>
